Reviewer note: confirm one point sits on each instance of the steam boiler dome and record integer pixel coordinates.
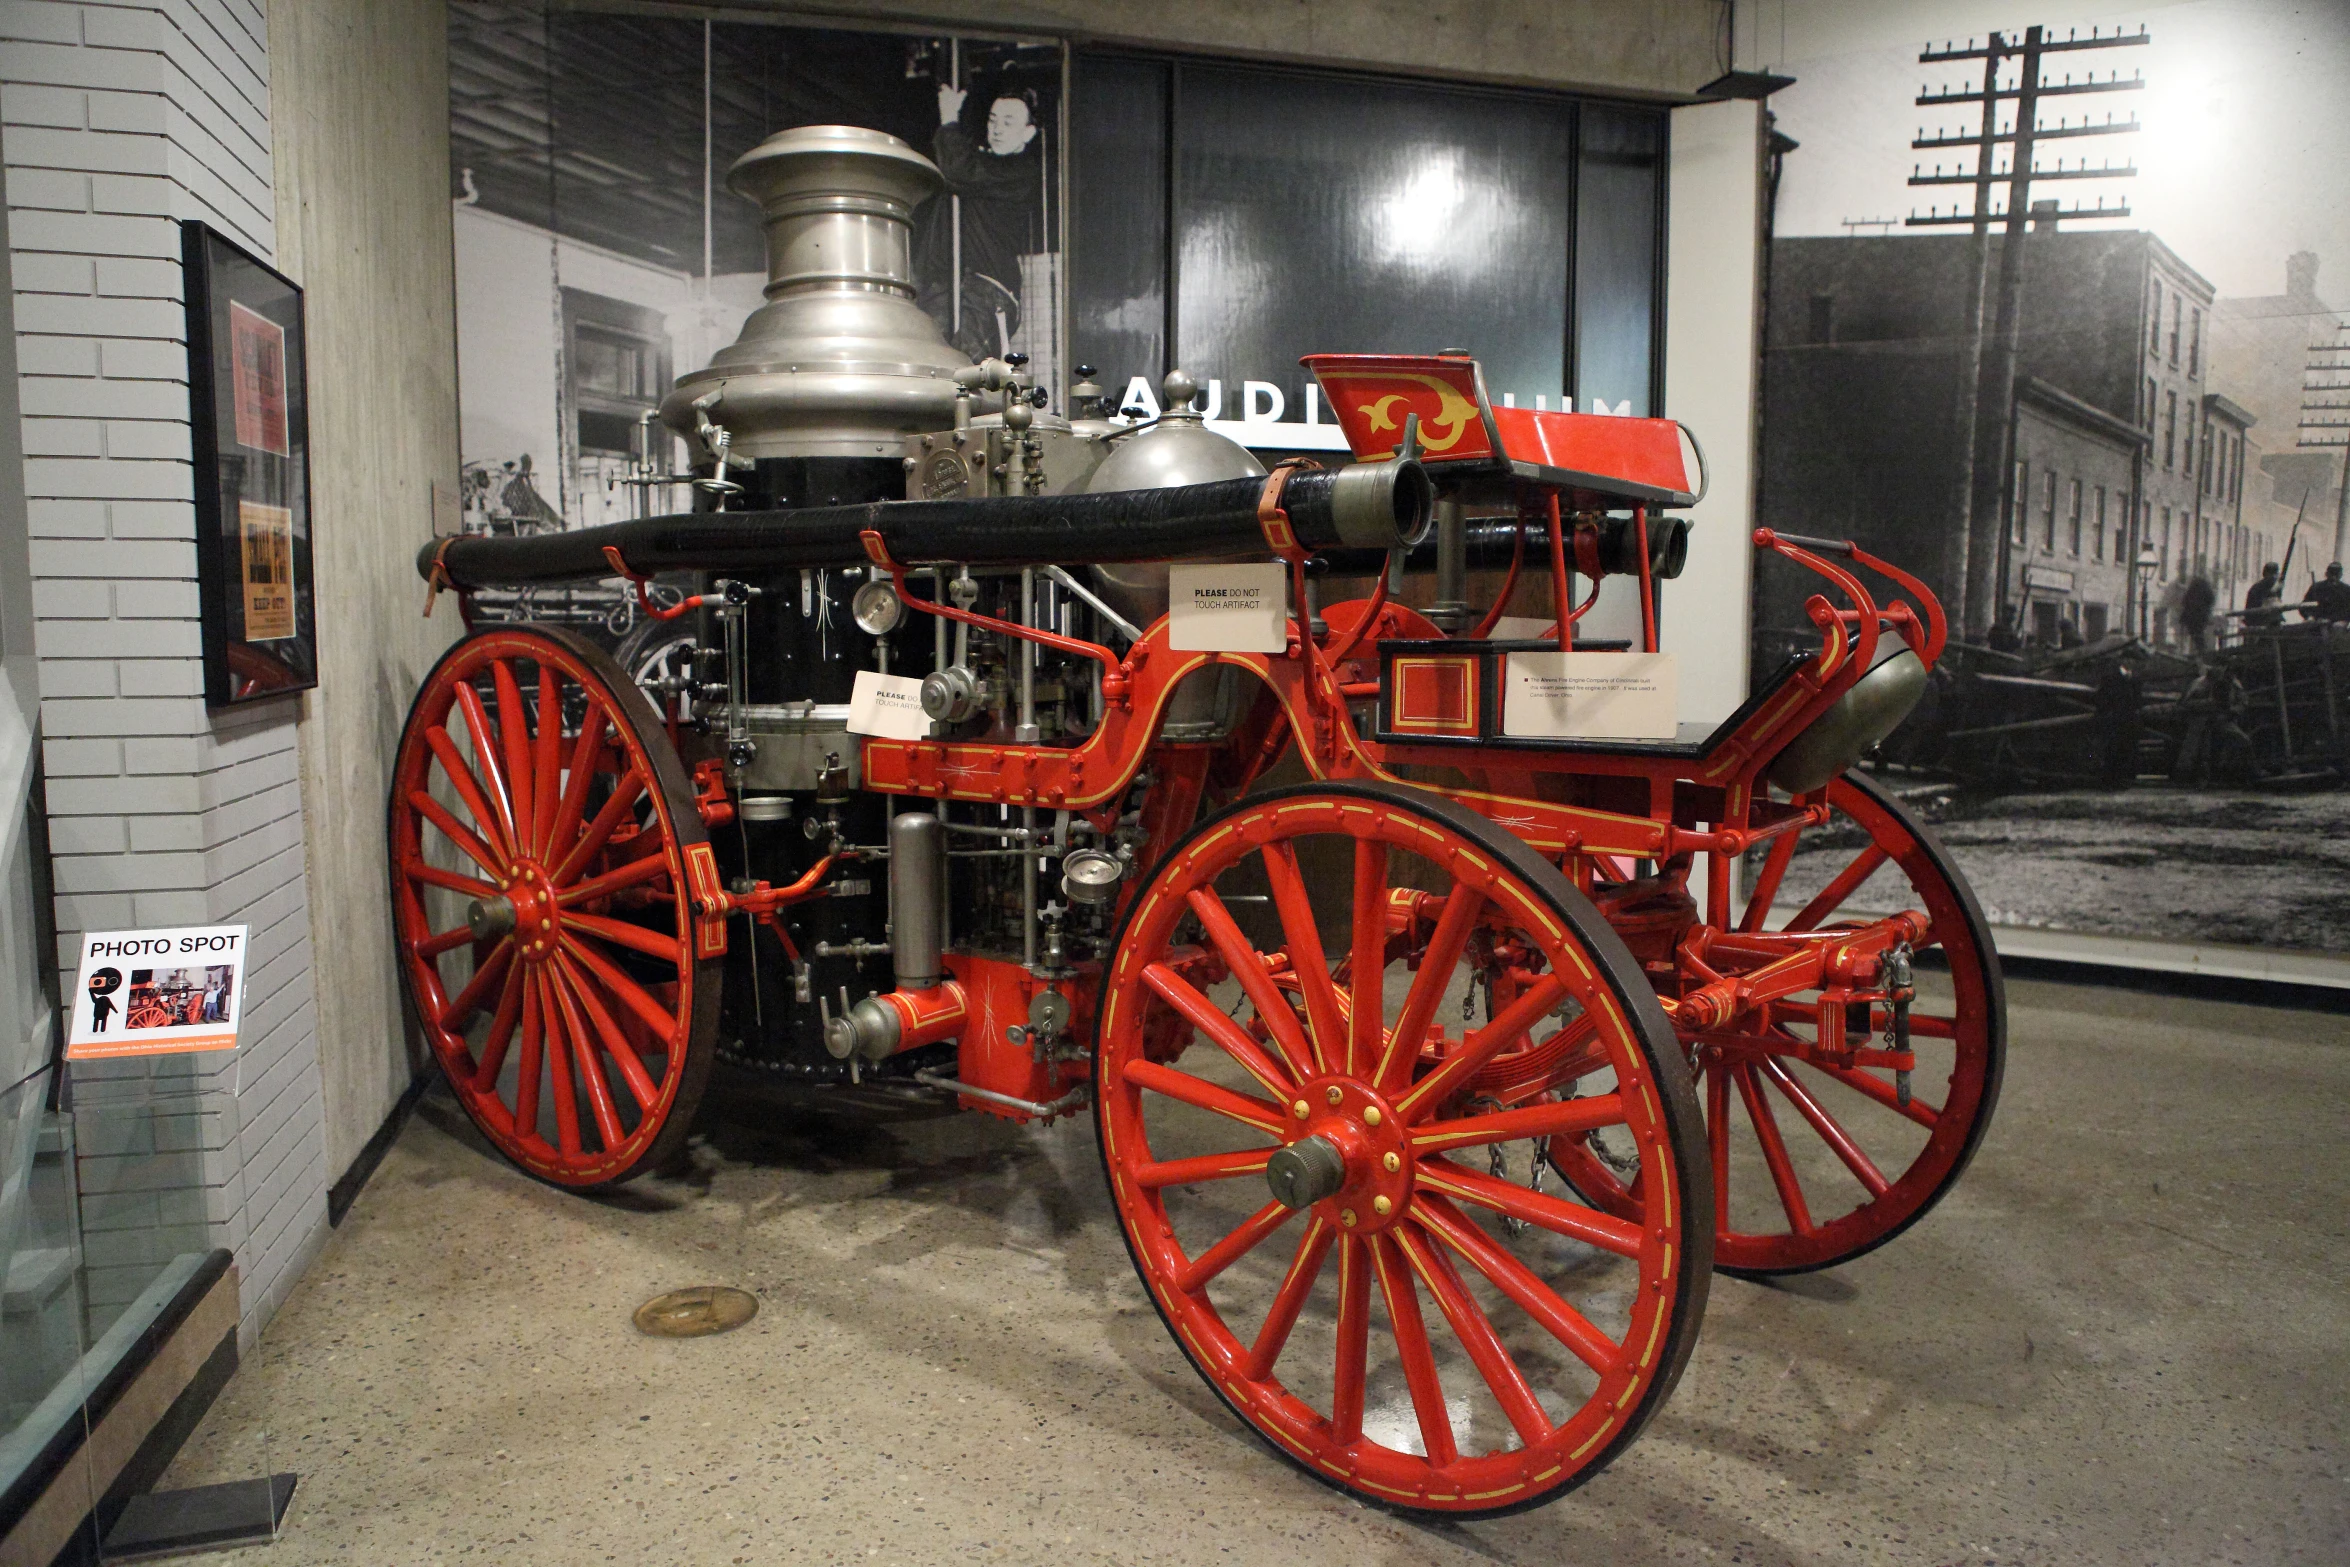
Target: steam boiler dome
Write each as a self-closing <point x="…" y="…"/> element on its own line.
<point x="1178" y="449"/>
<point x="840" y="361"/>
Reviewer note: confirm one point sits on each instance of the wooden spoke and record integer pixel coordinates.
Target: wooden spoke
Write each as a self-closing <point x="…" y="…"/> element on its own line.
<point x="1564" y="1118"/>
<point x="514" y="731"/>
<point x="1520" y="1283"/>
<point x="547" y="757"/>
<point x="1475" y="1332"/>
<point x="1774" y="1150"/>
<point x="630" y="994"/>
<point x="490" y="823"/>
<point x="1367" y="958"/>
<point x="1248" y="967"/>
<point x="564" y="825"/>
<point x="583" y="1057"/>
<point x="610" y="1034"/>
<point x="502" y="1025"/>
<point x="1303" y="938"/>
<point x="1717" y="1135"/>
<point x="434" y="876"/>
<point x="1462" y="907"/>
<point x="1588" y="1225"/>
<point x="1535" y="1002"/>
<point x="1412" y="1348"/>
<point x="485" y="756"/>
<point x="1153" y="1174"/>
<point x="1201" y="1094"/>
<point x="1354" y="1342"/>
<point x="467" y="844"/>
<point x="617" y="809"/>
<point x="1863" y="1168"/>
<point x="634" y="874"/>
<point x="1766" y="885"/>
<point x="1225" y="1034"/>
<point x="1290" y="1299"/>
<point x="1848" y="881"/>
<point x="1253" y="1232"/>
<point x="528" y="1064"/>
<point x="652" y="943"/>
<point x="444" y="941"/>
<point x="485" y="978"/>
<point x="559" y="1085"/>
<point x="1863" y="1081"/>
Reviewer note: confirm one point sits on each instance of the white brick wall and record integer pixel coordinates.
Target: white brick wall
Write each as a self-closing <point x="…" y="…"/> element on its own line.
<point x="116" y="120"/>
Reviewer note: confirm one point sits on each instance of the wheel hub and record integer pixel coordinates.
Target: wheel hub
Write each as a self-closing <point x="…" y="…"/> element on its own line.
<point x="525" y="908"/>
<point x="1348" y="1156"/>
<point x="1305" y="1172"/>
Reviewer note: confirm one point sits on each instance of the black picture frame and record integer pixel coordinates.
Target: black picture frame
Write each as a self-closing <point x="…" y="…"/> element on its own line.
<point x="249" y="414"/>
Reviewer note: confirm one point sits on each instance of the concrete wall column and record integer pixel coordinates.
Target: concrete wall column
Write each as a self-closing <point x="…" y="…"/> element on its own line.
<point x="361" y="124"/>
<point x="1713" y="323"/>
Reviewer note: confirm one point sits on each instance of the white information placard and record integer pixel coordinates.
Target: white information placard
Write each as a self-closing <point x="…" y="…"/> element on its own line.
<point x="157" y="992"/>
<point x="1229" y="609"/>
<point x="888" y="707"/>
<point x="1590" y="696"/>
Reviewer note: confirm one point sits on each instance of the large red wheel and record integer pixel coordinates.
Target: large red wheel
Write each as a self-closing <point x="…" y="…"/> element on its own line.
<point x="540" y="823"/>
<point x="1298" y="1143"/>
<point x="1814" y="1165"/>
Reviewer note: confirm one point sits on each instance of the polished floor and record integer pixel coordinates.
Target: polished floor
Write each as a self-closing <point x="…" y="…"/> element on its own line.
<point x="2126" y="1338"/>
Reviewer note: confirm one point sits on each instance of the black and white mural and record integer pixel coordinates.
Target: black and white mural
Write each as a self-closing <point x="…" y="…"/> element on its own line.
<point x="600" y="254"/>
<point x="2084" y="369"/>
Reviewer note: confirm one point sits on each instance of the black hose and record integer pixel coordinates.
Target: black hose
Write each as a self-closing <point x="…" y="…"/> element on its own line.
<point x="1370" y="505"/>
<point x="1489" y="544"/>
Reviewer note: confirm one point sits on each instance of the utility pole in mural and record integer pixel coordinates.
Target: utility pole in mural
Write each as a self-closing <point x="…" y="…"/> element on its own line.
<point x="1978" y="550"/>
<point x="2325" y="419"/>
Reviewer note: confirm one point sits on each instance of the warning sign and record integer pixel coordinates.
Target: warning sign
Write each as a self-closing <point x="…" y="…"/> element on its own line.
<point x="157" y="992"/>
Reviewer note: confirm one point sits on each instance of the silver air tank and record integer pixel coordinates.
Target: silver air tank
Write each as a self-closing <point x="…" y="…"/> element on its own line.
<point x="840" y="361"/>
<point x="1178" y="449"/>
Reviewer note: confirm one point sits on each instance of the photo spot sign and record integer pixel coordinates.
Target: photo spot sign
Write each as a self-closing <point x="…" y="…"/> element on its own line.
<point x="157" y="992"/>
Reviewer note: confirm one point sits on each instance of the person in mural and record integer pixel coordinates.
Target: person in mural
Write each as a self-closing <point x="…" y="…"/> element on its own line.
<point x="1000" y="180"/>
<point x="2118" y="725"/>
<point x="2007" y="636"/>
<point x="216" y="983"/>
<point x="2261" y="600"/>
<point x="2328" y="598"/>
<point x="103" y="984"/>
<point x="2196" y="603"/>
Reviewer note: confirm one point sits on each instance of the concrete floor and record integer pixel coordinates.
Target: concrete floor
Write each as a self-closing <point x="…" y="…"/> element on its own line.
<point x="2126" y="1338"/>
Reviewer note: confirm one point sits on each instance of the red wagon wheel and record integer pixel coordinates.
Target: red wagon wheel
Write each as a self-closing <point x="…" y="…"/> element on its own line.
<point x="539" y="826"/>
<point x="1297" y="1145"/>
<point x="1814" y="1165"/>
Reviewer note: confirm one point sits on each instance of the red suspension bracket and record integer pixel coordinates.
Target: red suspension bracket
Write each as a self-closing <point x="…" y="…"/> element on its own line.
<point x="642" y="584"/>
<point x="439" y="581"/>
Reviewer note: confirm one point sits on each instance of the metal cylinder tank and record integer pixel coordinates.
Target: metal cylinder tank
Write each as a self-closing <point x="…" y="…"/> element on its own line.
<point x="1179" y="449"/>
<point x="840" y="362"/>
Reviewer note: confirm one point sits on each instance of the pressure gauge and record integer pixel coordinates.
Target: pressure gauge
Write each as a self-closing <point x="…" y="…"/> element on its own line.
<point x="1091" y="876"/>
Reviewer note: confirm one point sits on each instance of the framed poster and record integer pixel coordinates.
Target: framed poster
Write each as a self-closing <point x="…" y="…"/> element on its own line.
<point x="251" y="432"/>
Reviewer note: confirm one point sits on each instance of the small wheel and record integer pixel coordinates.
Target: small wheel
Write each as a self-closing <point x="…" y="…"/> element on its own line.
<point x="540" y="823"/>
<point x="1816" y="1165"/>
<point x="657" y="652"/>
<point x="1402" y="1341"/>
